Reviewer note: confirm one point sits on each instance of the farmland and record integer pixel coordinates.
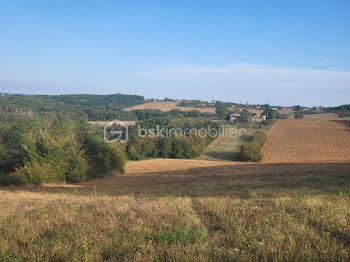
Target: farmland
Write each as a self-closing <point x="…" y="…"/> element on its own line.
<point x="227" y="148"/>
<point x="293" y="207"/>
<point x="308" y="141"/>
<point x="240" y="212"/>
<point x="166" y="106"/>
<point x="326" y="116"/>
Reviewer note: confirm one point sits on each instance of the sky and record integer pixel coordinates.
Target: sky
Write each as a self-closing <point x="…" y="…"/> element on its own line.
<point x="276" y="52"/>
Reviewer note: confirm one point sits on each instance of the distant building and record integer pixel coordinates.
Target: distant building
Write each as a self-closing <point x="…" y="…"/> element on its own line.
<point x="253" y="119"/>
<point x="235" y="117"/>
<point x="257" y="118"/>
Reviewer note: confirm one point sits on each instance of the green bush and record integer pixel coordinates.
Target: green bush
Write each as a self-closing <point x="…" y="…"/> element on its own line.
<point x="259" y="137"/>
<point x="103" y="158"/>
<point x="251" y="152"/>
<point x="52" y="160"/>
<point x="13" y="179"/>
<point x="298" y="115"/>
<point x="269" y="121"/>
<point x="344" y="114"/>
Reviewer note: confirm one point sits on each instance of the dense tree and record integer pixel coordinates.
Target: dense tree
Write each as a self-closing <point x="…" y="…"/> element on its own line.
<point x="298" y="115"/>
<point x="245" y="115"/>
<point x="221" y="110"/>
<point x="48" y="142"/>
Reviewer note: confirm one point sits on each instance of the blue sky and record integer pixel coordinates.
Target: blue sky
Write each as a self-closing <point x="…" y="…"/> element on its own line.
<point x="277" y="52"/>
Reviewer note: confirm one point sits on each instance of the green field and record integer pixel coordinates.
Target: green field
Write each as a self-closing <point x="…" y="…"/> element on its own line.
<point x="228" y="148"/>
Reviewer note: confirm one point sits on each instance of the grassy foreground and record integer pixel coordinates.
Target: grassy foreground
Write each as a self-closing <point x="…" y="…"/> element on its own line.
<point x="271" y="217"/>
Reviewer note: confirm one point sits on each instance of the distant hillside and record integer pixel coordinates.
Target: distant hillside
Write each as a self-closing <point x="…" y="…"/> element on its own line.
<point x="96" y="107"/>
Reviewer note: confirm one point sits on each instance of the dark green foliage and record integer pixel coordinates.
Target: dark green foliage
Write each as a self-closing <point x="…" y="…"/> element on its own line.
<point x="49" y="159"/>
<point x="269" y="121"/>
<point x="93" y="107"/>
<point x="245" y="115"/>
<point x="172" y="145"/>
<point x="164" y="146"/>
<point x="101" y="107"/>
<point x="259" y="138"/>
<point x="298" y="115"/>
<point x="252" y="151"/>
<point x="344" y="114"/>
<point x="195" y="103"/>
<point x="45" y="142"/>
<point x="272" y="114"/>
<point x="297" y="108"/>
<point x="13" y="179"/>
<point x="221" y="110"/>
<point x="149" y="114"/>
<point x="103" y="157"/>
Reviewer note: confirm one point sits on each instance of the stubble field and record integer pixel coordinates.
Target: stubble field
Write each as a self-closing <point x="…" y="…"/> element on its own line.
<point x="166" y="106"/>
<point x="241" y="212"/>
<point x="301" y="141"/>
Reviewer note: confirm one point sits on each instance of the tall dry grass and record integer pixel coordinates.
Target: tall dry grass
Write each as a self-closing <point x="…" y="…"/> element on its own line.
<point x="276" y="216"/>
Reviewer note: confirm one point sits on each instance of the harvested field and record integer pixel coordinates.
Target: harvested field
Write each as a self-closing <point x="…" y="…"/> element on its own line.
<point x="210" y="172"/>
<point x="164" y="164"/>
<point x="302" y="141"/>
<point x="325" y="117"/>
<point x="168" y="106"/>
<point x="237" y="212"/>
<point x="242" y="212"/>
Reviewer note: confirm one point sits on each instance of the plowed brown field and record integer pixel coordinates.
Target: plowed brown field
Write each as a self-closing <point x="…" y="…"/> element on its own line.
<point x="301" y="141"/>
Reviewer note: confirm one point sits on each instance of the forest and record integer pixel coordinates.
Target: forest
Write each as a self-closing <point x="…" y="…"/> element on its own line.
<point x="43" y="141"/>
<point x="48" y="139"/>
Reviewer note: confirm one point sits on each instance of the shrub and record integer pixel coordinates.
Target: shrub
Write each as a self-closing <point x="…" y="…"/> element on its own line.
<point x="103" y="158"/>
<point x="298" y="115"/>
<point x="13" y="179"/>
<point x="251" y="152"/>
<point x="344" y="114"/>
<point x="259" y="137"/>
<point x="52" y="160"/>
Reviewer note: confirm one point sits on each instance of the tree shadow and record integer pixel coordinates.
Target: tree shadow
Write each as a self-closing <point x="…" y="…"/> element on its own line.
<point x="343" y="122"/>
<point x="238" y="181"/>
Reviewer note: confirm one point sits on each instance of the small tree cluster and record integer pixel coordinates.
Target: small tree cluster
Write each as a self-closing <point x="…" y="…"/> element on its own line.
<point x="252" y="151"/>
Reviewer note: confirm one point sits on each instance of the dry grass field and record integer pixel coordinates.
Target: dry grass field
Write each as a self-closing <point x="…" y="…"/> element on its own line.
<point x="227" y="148"/>
<point x="241" y="212"/>
<point x="165" y="164"/>
<point x="325" y="117"/>
<point x="308" y="141"/>
<point x="166" y="106"/>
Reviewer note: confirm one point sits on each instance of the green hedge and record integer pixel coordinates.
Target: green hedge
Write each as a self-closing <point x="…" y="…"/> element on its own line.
<point x="252" y="151"/>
